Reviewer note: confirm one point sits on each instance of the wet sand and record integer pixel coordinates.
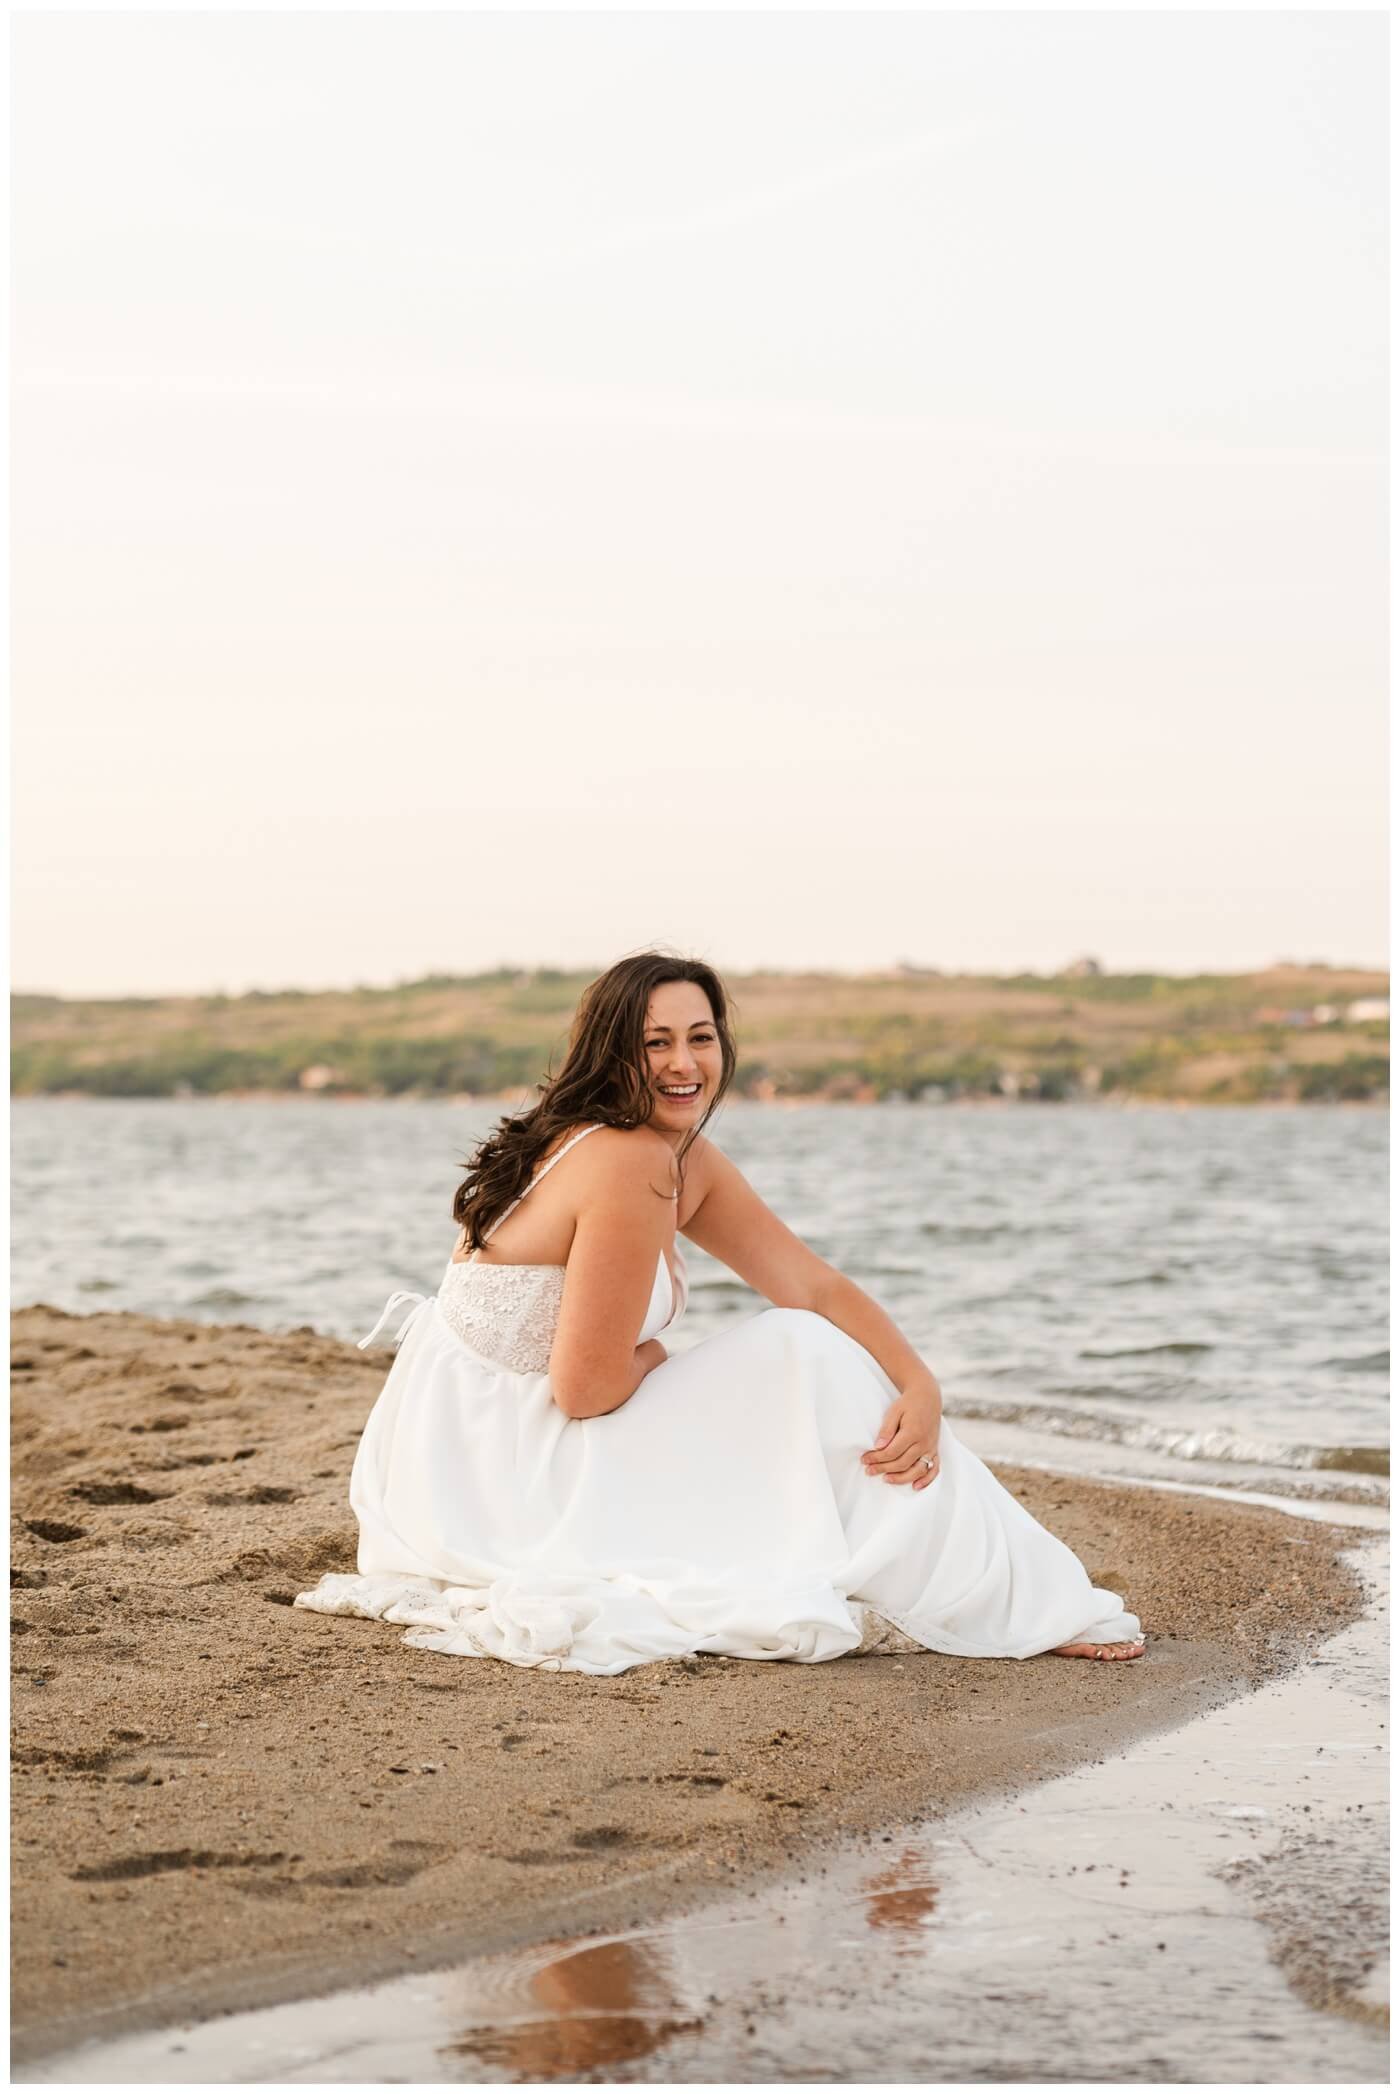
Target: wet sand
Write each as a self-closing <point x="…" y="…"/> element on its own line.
<point x="1205" y="1907"/>
<point x="220" y="1801"/>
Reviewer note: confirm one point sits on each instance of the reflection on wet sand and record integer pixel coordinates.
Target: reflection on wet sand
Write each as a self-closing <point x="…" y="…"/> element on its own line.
<point x="902" y="1897"/>
<point x="603" y="2003"/>
<point x="595" y="2005"/>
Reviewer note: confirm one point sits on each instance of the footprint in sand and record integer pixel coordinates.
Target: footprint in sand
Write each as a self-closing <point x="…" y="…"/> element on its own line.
<point x="165" y="1860"/>
<point x="96" y="1493"/>
<point x="404" y="1860"/>
<point x="255" y="1494"/>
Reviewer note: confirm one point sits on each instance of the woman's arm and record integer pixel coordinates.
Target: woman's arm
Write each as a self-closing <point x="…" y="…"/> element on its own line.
<point x="621" y="1228"/>
<point x="593" y="1401"/>
<point x="906" y="1449"/>
<point x="734" y="1225"/>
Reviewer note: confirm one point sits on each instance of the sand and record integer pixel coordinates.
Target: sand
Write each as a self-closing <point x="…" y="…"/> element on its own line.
<point x="220" y="1801"/>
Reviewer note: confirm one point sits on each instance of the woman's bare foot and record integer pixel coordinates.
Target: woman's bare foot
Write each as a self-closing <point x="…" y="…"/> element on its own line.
<point x="1101" y="1650"/>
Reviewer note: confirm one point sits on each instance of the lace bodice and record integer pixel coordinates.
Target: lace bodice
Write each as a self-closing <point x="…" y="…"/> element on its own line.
<point x="509" y="1313"/>
<point x="506" y="1313"/>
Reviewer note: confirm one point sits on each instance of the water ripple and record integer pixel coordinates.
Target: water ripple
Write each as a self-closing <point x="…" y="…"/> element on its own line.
<point x="1013" y="1247"/>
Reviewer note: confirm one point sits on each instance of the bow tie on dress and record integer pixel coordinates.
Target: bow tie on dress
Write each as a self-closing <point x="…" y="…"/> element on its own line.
<point x="395" y="1305"/>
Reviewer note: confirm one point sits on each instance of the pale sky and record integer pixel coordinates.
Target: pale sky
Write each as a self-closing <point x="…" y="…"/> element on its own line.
<point x="812" y="489"/>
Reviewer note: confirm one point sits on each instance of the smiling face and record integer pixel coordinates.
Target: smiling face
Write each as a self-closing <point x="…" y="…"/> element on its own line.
<point x="684" y="1061"/>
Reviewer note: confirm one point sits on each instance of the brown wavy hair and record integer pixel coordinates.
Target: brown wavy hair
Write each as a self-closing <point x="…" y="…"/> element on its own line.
<point x="603" y="1078"/>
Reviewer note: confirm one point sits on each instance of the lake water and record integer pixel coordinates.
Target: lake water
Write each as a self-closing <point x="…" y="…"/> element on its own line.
<point x="1139" y="1290"/>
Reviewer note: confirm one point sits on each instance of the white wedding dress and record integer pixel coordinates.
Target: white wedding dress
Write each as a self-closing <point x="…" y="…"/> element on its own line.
<point x="724" y="1508"/>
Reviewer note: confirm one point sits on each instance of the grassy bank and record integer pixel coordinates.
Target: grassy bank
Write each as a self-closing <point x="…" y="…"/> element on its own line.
<point x="1283" y="1034"/>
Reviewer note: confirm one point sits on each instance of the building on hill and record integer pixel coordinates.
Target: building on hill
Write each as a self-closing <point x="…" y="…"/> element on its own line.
<point x="319" y="1078"/>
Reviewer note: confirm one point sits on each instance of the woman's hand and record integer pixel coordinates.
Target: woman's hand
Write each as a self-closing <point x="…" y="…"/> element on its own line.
<point x="907" y="1449"/>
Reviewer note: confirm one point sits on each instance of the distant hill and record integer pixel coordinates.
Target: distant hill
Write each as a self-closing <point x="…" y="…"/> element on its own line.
<point x="1296" y="1033"/>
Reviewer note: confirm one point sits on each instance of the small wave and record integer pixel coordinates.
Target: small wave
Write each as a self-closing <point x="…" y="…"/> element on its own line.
<point x="1144" y="1279"/>
<point x="1361" y="1363"/>
<point x="1369" y="1461"/>
<point x="1116" y="1391"/>
<point x="1309" y="1485"/>
<point x="1183" y="1443"/>
<point x="1018" y="1295"/>
<point x="1140" y="1352"/>
<point x="223" y="1298"/>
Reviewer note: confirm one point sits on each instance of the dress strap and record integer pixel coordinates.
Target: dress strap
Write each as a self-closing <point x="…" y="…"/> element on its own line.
<point x="544" y="1172"/>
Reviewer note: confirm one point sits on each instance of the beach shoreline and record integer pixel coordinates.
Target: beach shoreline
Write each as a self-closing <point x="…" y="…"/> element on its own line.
<point x="1236" y="1866"/>
<point x="220" y="1801"/>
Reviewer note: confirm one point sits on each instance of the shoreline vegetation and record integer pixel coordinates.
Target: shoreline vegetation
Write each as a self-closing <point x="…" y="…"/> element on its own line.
<point x="219" y="1800"/>
<point x="1288" y="1034"/>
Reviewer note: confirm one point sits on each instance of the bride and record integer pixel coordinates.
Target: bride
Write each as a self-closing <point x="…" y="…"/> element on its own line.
<point x="539" y="1482"/>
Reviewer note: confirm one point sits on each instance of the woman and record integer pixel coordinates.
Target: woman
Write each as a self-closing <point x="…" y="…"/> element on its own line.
<point x="538" y="1482"/>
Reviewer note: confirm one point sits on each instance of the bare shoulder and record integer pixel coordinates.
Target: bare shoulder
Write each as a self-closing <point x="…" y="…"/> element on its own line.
<point x="626" y="1158"/>
<point x="706" y="1168"/>
<point x="706" y="1165"/>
